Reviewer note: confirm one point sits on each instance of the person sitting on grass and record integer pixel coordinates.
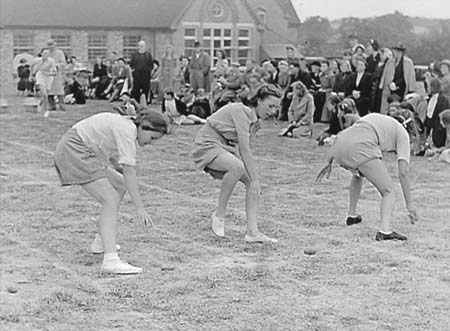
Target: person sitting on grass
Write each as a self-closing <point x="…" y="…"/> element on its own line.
<point x="300" y="112"/>
<point x="99" y="154"/>
<point x="444" y="118"/>
<point x="177" y="110"/>
<point x="359" y="149"/>
<point x="222" y="149"/>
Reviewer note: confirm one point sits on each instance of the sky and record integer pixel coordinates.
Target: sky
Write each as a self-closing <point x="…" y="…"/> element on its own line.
<point x="334" y="9"/>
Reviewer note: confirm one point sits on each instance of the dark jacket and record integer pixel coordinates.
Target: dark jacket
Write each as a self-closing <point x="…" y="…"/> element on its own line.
<point x="180" y="105"/>
<point x="365" y="89"/>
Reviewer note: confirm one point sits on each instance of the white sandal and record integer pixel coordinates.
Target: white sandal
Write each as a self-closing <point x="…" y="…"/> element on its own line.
<point x="218" y="225"/>
<point x="260" y="238"/>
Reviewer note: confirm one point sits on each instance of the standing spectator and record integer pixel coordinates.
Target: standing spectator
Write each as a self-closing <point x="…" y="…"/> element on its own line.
<point x="385" y="55"/>
<point x="23" y="72"/>
<point x="45" y="70"/>
<point x="437" y="104"/>
<point x="398" y="77"/>
<point x="290" y="55"/>
<point x="444" y="67"/>
<point x="168" y="69"/>
<point x="373" y="56"/>
<point x="199" y="68"/>
<point x="142" y="64"/>
<point x="322" y="113"/>
<point x="57" y="88"/>
<point x="360" y="88"/>
<point x="154" y="82"/>
<point x="283" y="75"/>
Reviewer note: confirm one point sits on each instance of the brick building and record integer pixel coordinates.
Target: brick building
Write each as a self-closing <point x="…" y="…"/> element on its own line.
<point x="87" y="29"/>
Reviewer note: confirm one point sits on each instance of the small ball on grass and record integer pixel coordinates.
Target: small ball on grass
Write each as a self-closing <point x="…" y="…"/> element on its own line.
<point x="310" y="251"/>
<point x="11" y="289"/>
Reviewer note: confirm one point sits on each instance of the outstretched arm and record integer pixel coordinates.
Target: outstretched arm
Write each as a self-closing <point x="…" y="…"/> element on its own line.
<point x="403" y="175"/>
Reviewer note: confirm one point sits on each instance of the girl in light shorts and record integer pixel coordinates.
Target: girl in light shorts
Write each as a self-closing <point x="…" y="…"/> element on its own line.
<point x="99" y="154"/>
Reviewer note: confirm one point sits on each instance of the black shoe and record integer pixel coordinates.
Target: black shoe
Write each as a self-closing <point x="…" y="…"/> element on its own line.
<point x="353" y="220"/>
<point x="421" y="153"/>
<point x="391" y="236"/>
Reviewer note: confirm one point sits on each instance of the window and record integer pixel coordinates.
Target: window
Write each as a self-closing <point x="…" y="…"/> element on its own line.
<point x="96" y="46"/>
<point x="190" y="36"/>
<point x="64" y="43"/>
<point x="244" y="48"/>
<point x="23" y="43"/>
<point x="262" y="15"/>
<point x="217" y="38"/>
<point x="130" y="45"/>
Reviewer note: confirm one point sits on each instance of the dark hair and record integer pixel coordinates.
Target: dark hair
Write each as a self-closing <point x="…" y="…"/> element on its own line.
<point x="263" y="92"/>
<point x="393" y="98"/>
<point x="406" y="105"/>
<point x="169" y="91"/>
<point x="156" y="121"/>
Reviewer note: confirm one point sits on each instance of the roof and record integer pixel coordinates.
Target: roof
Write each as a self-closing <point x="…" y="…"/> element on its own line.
<point x="142" y="14"/>
<point x="290" y="12"/>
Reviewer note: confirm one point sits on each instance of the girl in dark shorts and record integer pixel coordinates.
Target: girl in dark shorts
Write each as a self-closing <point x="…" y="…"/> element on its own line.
<point x="99" y="154"/>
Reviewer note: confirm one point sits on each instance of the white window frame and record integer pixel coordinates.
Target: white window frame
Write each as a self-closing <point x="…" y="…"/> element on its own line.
<point x="63" y="42"/>
<point x="189" y="51"/>
<point x="97" y="50"/>
<point x="23" y="42"/>
<point x="221" y="39"/>
<point x="243" y="59"/>
<point x="130" y="42"/>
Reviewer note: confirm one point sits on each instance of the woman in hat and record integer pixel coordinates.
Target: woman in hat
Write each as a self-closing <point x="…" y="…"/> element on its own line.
<point x="359" y="149"/>
<point x="99" y="154"/>
<point x="398" y="76"/>
<point x="222" y="149"/>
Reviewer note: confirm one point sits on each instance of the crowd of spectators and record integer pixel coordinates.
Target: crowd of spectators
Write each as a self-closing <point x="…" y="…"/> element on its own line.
<point x="368" y="78"/>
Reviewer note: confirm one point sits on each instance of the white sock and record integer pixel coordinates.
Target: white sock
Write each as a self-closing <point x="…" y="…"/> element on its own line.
<point x="108" y="257"/>
<point x="383" y="232"/>
<point x="353" y="216"/>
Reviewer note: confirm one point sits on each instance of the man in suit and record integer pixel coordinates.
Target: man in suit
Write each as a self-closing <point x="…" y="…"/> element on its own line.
<point x="199" y="68"/>
<point x="360" y="87"/>
<point x="142" y="65"/>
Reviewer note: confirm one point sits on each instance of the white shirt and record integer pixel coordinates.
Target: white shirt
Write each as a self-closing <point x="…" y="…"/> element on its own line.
<point x="358" y="77"/>
<point x="171" y="107"/>
<point x="110" y="135"/>
<point x="432" y="105"/>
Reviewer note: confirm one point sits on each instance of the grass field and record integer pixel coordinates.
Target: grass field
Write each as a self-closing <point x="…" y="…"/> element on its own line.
<point x="192" y="281"/>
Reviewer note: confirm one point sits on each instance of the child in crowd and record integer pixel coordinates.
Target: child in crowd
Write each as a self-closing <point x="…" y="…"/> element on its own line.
<point x="99" y="154"/>
<point x="222" y="149"/>
<point x="23" y="72"/>
<point x="177" y="110"/>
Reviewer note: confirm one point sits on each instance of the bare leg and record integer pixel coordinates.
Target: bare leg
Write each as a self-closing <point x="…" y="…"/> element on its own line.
<point x="233" y="170"/>
<point x="103" y="191"/>
<point x="251" y="207"/>
<point x="376" y="173"/>
<point x="354" y="193"/>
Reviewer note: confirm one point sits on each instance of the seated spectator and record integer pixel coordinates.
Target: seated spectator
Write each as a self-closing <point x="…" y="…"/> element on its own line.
<point x="121" y="81"/>
<point x="300" y="112"/>
<point x="97" y="84"/>
<point x="177" y="110"/>
<point x="200" y="105"/>
<point x="75" y="93"/>
<point x="348" y="113"/>
<point x="335" y="124"/>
